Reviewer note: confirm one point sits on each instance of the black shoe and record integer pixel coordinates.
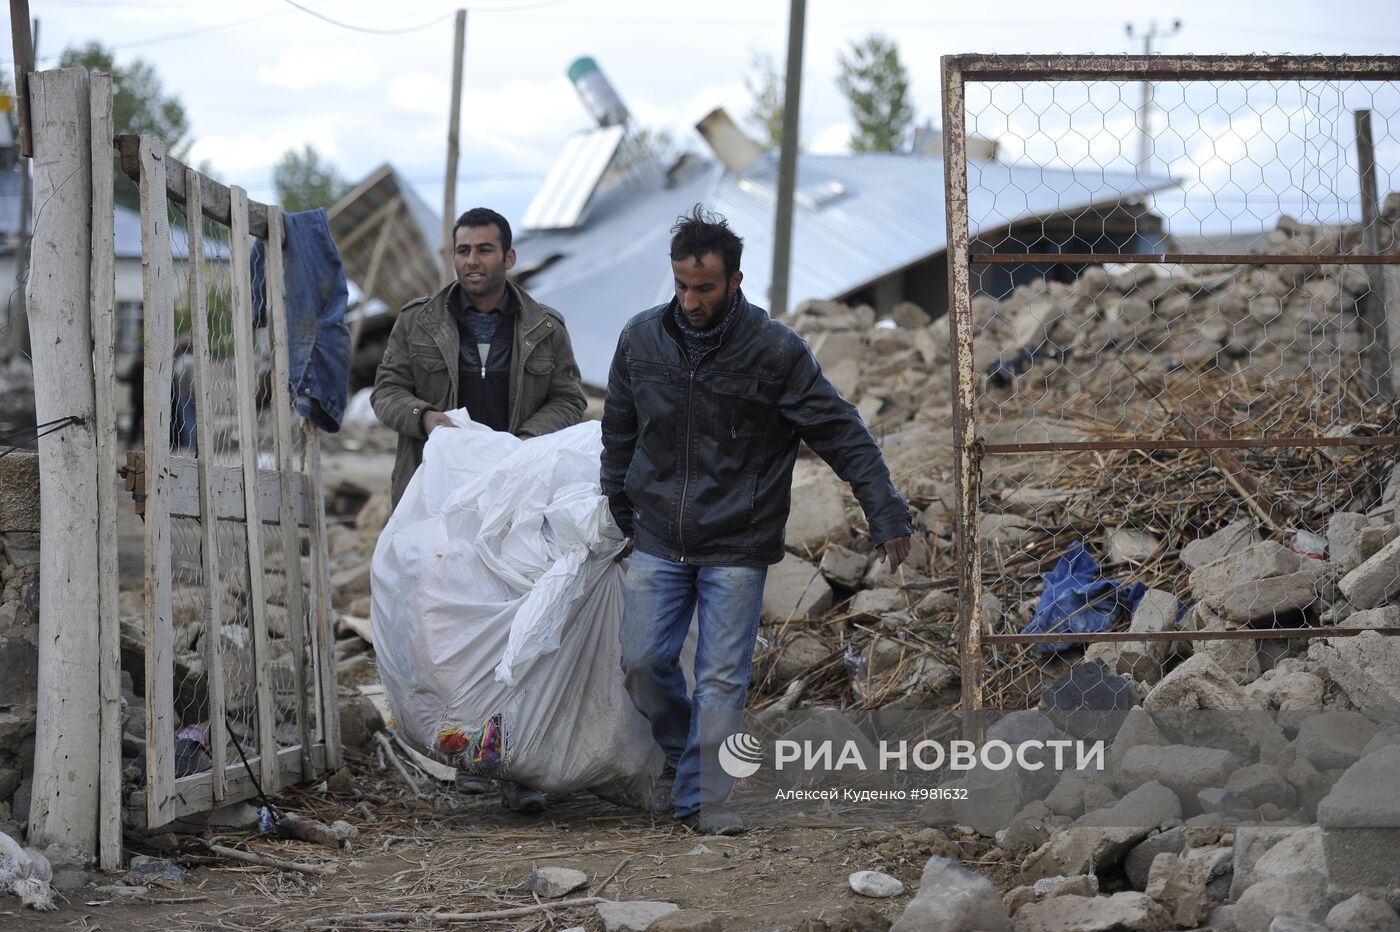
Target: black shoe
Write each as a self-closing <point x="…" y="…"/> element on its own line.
<point x="519" y="798"/>
<point x="471" y="784"/>
<point x="662" y="791"/>
<point x="715" y="820"/>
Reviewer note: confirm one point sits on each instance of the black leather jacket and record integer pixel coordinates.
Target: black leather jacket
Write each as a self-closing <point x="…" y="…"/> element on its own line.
<point x="697" y="463"/>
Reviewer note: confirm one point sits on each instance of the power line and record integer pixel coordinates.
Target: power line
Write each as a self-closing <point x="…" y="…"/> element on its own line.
<point x="354" y="28"/>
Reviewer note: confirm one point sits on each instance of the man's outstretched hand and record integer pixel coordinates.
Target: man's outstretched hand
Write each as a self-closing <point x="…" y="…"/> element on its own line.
<point x="895" y="551"/>
<point x="435" y="419"/>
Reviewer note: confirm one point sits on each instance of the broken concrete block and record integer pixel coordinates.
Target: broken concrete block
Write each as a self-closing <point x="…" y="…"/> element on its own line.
<point x="952" y="898"/>
<point x="1101" y="839"/>
<point x="1199" y="683"/>
<point x="1257" y="561"/>
<point x="1128" y="912"/>
<point x="818" y="514"/>
<point x="1260" y="784"/>
<point x="1237" y="535"/>
<point x="1300" y="895"/>
<point x="1360" y="824"/>
<point x="797" y="653"/>
<point x="843" y="567"/>
<point x="1143" y="660"/>
<point x="1377" y="579"/>
<point x="632" y="916"/>
<point x="1179" y="885"/>
<point x="1129" y="545"/>
<point x="1138" y="864"/>
<point x="1089" y="701"/>
<point x="1362" y="913"/>
<point x="1185" y="770"/>
<point x="795" y="590"/>
<point x="1334" y="740"/>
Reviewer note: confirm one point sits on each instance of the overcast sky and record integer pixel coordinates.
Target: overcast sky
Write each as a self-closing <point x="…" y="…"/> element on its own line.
<point x="262" y="76"/>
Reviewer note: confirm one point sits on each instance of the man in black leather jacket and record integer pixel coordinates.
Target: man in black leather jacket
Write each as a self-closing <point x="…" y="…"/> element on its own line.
<point x="707" y="400"/>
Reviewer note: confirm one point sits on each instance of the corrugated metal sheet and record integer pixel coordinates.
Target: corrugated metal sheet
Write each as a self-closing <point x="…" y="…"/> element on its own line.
<point x="559" y="204"/>
<point x="889" y="215"/>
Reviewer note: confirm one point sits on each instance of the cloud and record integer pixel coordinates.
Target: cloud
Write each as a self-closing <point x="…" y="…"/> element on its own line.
<point x="301" y="69"/>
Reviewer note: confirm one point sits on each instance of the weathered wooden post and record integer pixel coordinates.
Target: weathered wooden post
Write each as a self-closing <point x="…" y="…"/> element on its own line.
<point x="66" y="746"/>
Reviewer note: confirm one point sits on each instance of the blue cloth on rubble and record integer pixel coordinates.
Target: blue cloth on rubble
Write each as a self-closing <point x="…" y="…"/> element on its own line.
<point x="318" y="341"/>
<point x="1078" y="600"/>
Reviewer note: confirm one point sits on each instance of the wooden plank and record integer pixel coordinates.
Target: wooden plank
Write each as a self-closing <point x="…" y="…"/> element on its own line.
<point x="158" y="289"/>
<point x="215" y="198"/>
<point x="243" y="352"/>
<point x="103" y="273"/>
<point x="226" y="489"/>
<point x="194" y="794"/>
<point x="283" y="414"/>
<point x="322" y="618"/>
<point x="66" y="754"/>
<point x="454" y="121"/>
<point x="22" y="42"/>
<point x="372" y="275"/>
<point x="212" y="639"/>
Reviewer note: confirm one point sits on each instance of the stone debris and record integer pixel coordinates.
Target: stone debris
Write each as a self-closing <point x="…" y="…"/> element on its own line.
<point x="875" y="884"/>
<point x="553" y="882"/>
<point x="952" y="898"/>
<point x="634" y="916"/>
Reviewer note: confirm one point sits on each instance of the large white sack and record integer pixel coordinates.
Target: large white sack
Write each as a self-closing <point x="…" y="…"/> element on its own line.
<point x="495" y="593"/>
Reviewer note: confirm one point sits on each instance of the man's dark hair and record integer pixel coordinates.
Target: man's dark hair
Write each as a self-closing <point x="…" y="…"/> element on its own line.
<point x="484" y="217"/>
<point x="699" y="233"/>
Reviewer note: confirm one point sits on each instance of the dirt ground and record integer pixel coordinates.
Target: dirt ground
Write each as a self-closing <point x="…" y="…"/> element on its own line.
<point x="467" y="854"/>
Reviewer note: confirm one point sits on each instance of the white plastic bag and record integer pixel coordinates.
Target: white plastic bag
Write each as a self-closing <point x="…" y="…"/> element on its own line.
<point x="496" y="603"/>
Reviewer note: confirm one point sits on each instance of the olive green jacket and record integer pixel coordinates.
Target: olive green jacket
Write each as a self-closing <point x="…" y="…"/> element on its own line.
<point x="419" y="373"/>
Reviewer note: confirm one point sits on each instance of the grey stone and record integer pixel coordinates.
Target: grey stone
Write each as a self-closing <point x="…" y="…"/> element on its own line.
<point x="1362" y="913"/>
<point x="877" y="603"/>
<point x="1377" y="579"/>
<point x="1077" y="793"/>
<point x="1289" y="691"/>
<point x="1022" y="834"/>
<point x="1366" y="668"/>
<point x="1299" y="895"/>
<point x="1017" y="728"/>
<point x="147" y="870"/>
<point x="687" y="920"/>
<point x="1199" y="683"/>
<point x="1089" y="701"/>
<point x="1129" y="545"/>
<point x="795" y="590"/>
<point x="796" y="654"/>
<point x="1343" y="534"/>
<point x="1387" y="616"/>
<point x="1186" y="770"/>
<point x="1237" y="535"/>
<point x="1331" y="740"/>
<point x="635" y="916"/>
<point x="992" y="800"/>
<point x="1138" y="864"/>
<point x="843" y="567"/>
<point x="1253" y="842"/>
<point x="1216" y="800"/>
<point x="1099" y="840"/>
<point x="551" y="882"/>
<point x="1262" y="783"/>
<point x="1290" y="924"/>
<point x="952" y="898"/>
<point x="1257" y="561"/>
<point x="818" y="515"/>
<point x="68" y="879"/>
<point x="1122" y="912"/>
<point x="1179" y="885"/>
<point x="19" y="493"/>
<point x="875" y="884"/>
<point x="1079" y="885"/>
<point x="1157" y="612"/>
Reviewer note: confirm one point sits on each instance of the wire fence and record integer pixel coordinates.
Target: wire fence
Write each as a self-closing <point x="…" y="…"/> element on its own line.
<point x="1175" y="392"/>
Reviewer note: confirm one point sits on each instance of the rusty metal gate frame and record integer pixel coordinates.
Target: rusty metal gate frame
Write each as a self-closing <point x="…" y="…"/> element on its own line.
<point x="284" y="501"/>
<point x="969" y="449"/>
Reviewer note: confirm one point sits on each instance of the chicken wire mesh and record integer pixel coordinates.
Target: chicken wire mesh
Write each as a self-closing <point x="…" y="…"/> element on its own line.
<point x="1182" y="389"/>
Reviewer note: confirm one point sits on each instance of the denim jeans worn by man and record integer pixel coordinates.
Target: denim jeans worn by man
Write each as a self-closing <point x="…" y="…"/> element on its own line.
<point x="707" y="400"/>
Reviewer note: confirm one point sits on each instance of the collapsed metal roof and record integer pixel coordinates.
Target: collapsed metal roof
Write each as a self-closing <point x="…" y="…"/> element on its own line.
<point x="858" y="218"/>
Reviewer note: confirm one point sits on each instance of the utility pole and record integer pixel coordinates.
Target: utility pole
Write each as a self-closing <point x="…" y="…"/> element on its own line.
<point x="25" y="43"/>
<point x="449" y="189"/>
<point x="1144" y="158"/>
<point x="787" y="161"/>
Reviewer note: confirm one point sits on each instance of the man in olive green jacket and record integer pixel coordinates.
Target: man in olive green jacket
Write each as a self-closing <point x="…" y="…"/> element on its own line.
<point x="481" y="343"/>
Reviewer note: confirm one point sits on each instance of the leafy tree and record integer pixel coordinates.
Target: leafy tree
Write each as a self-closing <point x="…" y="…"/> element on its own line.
<point x="305" y="180"/>
<point x="876" y="85"/>
<point x="140" y="105"/>
<point x="766" y="86"/>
